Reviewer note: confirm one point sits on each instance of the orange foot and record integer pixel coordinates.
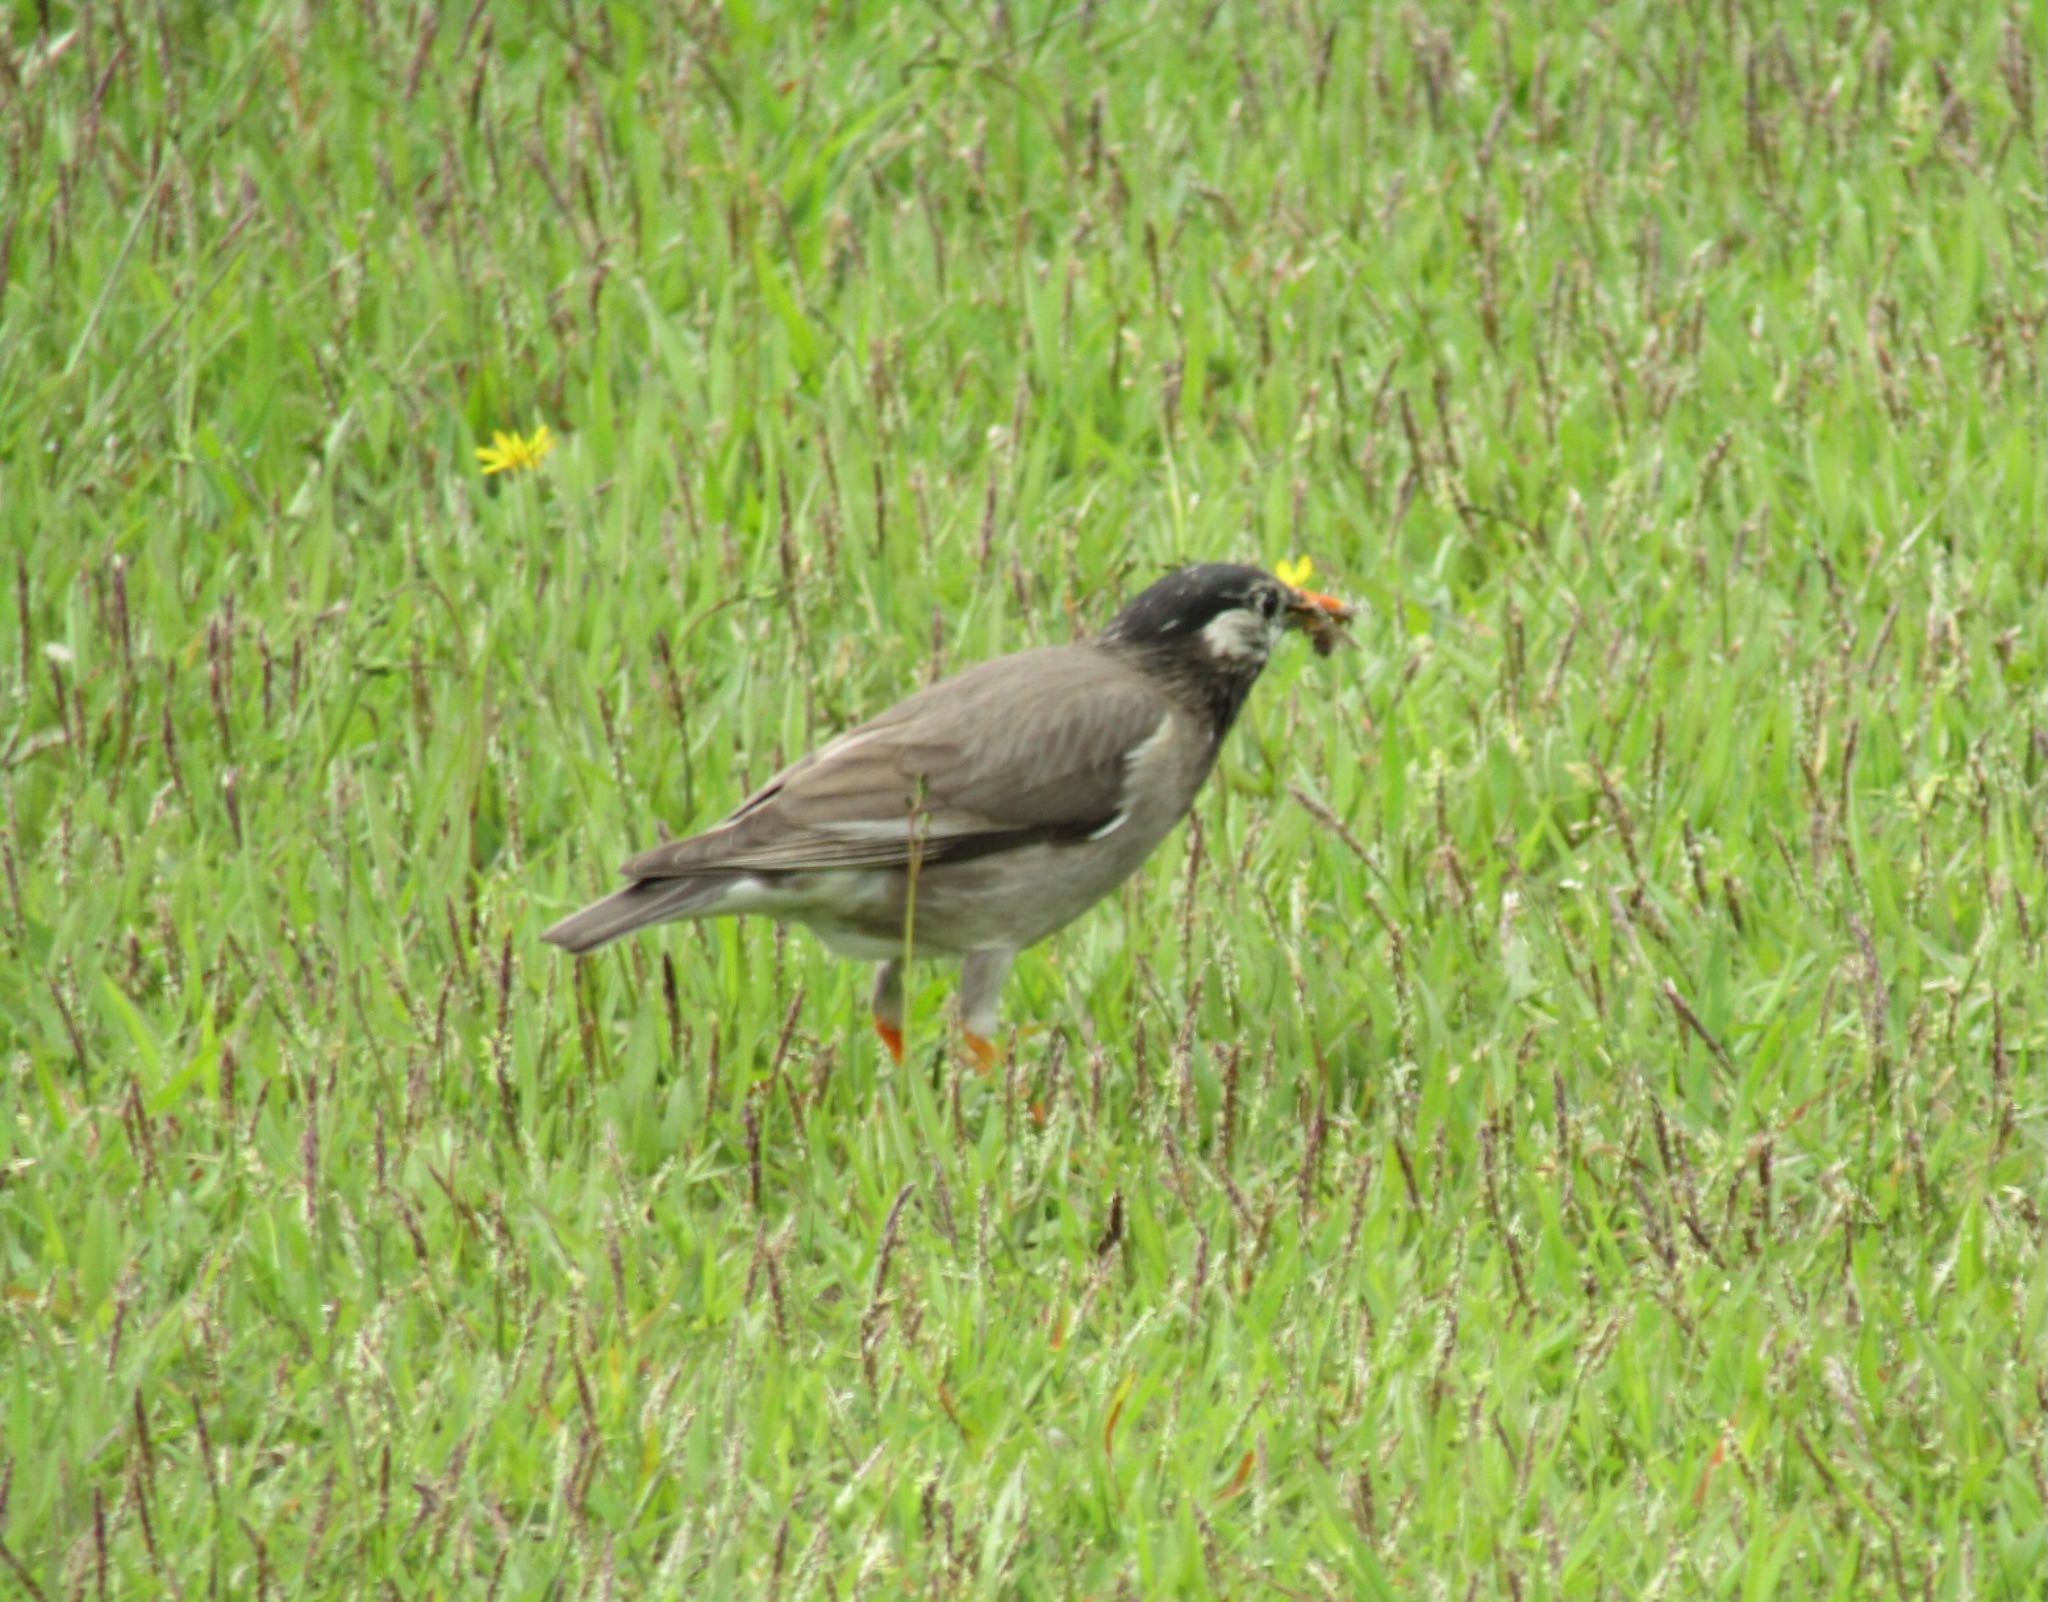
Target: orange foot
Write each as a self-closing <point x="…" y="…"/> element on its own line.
<point x="892" y="1037"/>
<point x="982" y="1051"/>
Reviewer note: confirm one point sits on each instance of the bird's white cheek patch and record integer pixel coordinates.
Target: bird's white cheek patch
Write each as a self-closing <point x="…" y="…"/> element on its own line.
<point x="1238" y="635"/>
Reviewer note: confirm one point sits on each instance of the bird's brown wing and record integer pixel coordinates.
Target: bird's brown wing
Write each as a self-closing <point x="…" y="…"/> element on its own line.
<point x="1028" y="748"/>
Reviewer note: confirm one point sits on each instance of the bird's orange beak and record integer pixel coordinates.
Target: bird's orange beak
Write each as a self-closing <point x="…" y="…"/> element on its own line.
<point x="1321" y="618"/>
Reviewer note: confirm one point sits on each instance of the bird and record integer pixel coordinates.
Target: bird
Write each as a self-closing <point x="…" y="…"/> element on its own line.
<point x="993" y="807"/>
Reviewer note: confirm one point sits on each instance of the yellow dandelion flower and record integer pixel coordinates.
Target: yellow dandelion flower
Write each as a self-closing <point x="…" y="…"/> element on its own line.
<point x="1296" y="571"/>
<point x="508" y="453"/>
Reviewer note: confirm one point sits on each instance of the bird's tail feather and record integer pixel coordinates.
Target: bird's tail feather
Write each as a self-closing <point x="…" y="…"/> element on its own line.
<point x="640" y="904"/>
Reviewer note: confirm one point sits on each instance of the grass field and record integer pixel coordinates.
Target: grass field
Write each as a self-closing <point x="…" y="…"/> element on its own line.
<point x="1566" y="1120"/>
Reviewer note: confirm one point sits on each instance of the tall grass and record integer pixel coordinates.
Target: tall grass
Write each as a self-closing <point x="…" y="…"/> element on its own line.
<point x="1564" y="1120"/>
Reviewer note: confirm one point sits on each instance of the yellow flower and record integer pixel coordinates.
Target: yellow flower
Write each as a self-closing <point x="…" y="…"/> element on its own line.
<point x="509" y="452"/>
<point x="1296" y="571"/>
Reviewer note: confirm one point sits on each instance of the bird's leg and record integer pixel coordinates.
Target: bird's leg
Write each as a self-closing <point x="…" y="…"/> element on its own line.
<point x="981" y="988"/>
<point x="888" y="1005"/>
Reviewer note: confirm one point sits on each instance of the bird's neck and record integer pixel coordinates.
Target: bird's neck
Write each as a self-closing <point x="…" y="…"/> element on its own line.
<point x="1213" y="693"/>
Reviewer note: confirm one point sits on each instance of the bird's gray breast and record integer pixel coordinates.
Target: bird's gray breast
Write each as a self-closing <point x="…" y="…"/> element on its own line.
<point x="1019" y="897"/>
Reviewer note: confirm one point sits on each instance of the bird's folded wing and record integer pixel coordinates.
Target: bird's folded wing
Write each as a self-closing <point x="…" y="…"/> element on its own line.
<point x="1030" y="748"/>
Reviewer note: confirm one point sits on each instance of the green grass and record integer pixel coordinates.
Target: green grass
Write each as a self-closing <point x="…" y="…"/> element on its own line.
<point x="1567" y="1121"/>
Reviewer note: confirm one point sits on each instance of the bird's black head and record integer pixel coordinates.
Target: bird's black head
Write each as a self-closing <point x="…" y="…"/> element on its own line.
<point x="1211" y="628"/>
<point x="1231" y="611"/>
<point x="1227" y="614"/>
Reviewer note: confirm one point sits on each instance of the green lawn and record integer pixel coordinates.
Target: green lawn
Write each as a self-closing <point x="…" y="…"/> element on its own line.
<point x="1566" y="1120"/>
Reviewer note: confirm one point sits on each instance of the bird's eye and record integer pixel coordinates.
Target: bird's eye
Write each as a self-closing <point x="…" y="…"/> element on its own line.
<point x="1269" y="602"/>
